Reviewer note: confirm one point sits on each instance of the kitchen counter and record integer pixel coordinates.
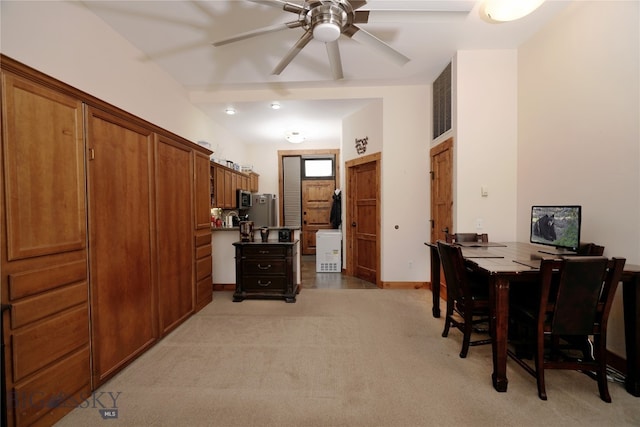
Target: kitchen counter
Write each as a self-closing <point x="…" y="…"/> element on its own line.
<point x="223" y="253"/>
<point x="255" y="230"/>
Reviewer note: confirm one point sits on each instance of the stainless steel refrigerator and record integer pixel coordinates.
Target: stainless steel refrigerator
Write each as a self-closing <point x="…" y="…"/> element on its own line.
<point x="263" y="210"/>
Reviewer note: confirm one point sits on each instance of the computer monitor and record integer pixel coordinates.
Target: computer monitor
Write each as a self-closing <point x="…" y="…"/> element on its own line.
<point x="556" y="226"/>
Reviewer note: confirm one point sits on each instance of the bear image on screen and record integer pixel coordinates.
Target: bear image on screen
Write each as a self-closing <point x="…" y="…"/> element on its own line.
<point x="557" y="226"/>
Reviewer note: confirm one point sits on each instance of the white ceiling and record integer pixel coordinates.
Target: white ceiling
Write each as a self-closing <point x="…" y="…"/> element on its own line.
<point x="177" y="35"/>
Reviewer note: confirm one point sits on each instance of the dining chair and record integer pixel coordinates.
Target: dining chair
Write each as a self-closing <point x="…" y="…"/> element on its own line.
<point x="467" y="296"/>
<point x="466" y="237"/>
<point x="590" y="249"/>
<point x="578" y="306"/>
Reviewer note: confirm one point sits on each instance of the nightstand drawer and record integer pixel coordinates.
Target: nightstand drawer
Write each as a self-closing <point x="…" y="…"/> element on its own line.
<point x="276" y="284"/>
<point x="264" y="251"/>
<point x="265" y="266"/>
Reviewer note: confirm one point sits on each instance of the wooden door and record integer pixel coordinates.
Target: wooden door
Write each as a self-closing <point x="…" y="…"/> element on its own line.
<point x="123" y="303"/>
<point x="174" y="232"/>
<point x="43" y="236"/>
<point x="363" y="218"/>
<point x="317" y="199"/>
<point x="442" y="196"/>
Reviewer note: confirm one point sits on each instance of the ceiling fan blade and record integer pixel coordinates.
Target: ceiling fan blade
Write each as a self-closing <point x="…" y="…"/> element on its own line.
<point x="368" y="39"/>
<point x="409" y="16"/>
<point x="334" y="60"/>
<point x="300" y="44"/>
<point x="280" y="4"/>
<point x="259" y="32"/>
<point x="357" y="4"/>
<point x="361" y="16"/>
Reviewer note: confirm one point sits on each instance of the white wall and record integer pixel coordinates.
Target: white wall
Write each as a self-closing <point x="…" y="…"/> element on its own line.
<point x="264" y="159"/>
<point x="578" y="127"/>
<point x="485" y="142"/>
<point x="366" y="123"/>
<point x="66" y="41"/>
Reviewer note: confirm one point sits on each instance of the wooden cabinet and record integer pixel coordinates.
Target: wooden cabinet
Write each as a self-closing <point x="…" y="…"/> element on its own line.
<point x="226" y="183"/>
<point x="266" y="270"/>
<point x="254" y="180"/>
<point x="174" y="171"/>
<point x="44" y="250"/>
<point x="116" y="286"/>
<point x="229" y="190"/>
<point x="121" y="213"/>
<point x="202" y="233"/>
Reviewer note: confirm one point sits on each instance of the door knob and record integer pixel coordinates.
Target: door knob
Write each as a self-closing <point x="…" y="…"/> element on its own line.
<point x="353" y="224"/>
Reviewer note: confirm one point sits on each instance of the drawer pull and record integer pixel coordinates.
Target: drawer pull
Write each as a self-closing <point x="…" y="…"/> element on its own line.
<point x="266" y="267"/>
<point x="264" y="284"/>
<point x="263" y="252"/>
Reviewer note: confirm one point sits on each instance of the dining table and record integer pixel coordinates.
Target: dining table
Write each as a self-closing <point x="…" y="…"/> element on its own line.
<point x="509" y="264"/>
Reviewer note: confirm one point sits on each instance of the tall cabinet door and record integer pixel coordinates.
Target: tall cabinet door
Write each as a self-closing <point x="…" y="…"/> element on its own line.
<point x="120" y="161"/>
<point x="202" y="232"/>
<point x="43" y="265"/>
<point x="174" y="216"/>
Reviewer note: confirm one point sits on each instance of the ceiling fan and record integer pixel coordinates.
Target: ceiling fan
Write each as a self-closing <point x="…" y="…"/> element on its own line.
<point x="327" y="20"/>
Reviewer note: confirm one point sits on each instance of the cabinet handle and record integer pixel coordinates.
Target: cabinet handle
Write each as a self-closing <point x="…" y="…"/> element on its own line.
<point x="263" y="284"/>
<point x="264" y="252"/>
<point x="268" y="266"/>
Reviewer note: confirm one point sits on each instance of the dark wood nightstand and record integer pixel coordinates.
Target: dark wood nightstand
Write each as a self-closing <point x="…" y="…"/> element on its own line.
<point x="266" y="270"/>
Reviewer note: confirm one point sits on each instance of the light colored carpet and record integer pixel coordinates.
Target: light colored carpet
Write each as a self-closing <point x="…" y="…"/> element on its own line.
<point x="338" y="358"/>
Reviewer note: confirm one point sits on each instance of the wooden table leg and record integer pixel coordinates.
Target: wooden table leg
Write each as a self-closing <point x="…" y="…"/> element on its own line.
<point x="435" y="280"/>
<point x="499" y="294"/>
<point x="631" y="306"/>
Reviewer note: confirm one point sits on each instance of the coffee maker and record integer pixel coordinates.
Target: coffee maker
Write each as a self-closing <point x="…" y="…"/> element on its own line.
<point x="246" y="231"/>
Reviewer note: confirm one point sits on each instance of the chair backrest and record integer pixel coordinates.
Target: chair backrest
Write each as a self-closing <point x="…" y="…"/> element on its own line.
<point x="580" y="302"/>
<point x="455" y="273"/>
<point x="590" y="249"/>
<point x="467" y="237"/>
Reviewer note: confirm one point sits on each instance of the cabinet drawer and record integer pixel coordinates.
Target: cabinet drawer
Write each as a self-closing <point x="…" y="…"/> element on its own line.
<point x="264" y="251"/>
<point x="267" y="266"/>
<point x="264" y="283"/>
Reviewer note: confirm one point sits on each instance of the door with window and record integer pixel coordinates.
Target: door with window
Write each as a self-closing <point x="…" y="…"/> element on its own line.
<point x="308" y="181"/>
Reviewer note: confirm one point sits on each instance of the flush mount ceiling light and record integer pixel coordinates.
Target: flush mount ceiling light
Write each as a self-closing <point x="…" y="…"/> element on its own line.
<point x="327" y="21"/>
<point x="230" y="111"/>
<point x="275" y="106"/>
<point x="509" y="10"/>
<point x="294" y="137"/>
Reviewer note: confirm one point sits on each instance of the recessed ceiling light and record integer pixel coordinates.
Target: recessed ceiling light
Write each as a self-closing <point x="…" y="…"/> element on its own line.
<point x="275" y="106"/>
<point x="230" y="111"/>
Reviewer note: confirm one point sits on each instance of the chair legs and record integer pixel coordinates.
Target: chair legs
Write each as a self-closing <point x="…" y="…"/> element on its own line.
<point x="603" y="387"/>
<point x="447" y="320"/>
<point x="466" y="335"/>
<point x="600" y="369"/>
<point x="539" y="373"/>
<point x="466" y="328"/>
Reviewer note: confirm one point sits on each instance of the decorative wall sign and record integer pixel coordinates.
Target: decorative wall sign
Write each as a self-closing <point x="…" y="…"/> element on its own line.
<point x="361" y="144"/>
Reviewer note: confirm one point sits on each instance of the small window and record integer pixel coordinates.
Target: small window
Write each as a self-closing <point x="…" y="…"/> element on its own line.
<point x="318" y="168"/>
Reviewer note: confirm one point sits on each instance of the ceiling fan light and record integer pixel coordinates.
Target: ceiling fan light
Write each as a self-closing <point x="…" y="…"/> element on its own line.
<point x="294" y="137"/>
<point x="326" y="32"/>
<point x="509" y="10"/>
